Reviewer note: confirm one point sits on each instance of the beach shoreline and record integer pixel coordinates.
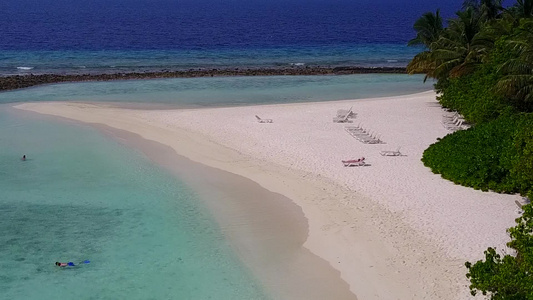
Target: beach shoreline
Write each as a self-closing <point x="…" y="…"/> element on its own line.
<point x="392" y="229"/>
<point x="265" y="229"/>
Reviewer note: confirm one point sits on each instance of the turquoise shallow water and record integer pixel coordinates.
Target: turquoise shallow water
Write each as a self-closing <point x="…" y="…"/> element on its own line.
<point x="80" y="196"/>
<point x="222" y="91"/>
<point x="84" y="196"/>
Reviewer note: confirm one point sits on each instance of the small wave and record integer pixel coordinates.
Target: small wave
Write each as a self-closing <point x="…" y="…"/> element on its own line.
<point x="297" y="64"/>
<point x="24" y="68"/>
<point x="392" y="60"/>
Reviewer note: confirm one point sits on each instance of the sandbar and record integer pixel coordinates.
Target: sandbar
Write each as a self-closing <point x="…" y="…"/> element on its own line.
<point x="392" y="229"/>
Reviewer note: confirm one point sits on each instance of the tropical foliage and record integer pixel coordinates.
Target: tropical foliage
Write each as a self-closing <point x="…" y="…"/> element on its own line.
<point x="483" y="66"/>
<point x="510" y="276"/>
<point x="495" y="155"/>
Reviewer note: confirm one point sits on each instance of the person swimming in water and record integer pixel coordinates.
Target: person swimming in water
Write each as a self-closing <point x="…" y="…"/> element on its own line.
<point x="69" y="264"/>
<point x="24" y="157"/>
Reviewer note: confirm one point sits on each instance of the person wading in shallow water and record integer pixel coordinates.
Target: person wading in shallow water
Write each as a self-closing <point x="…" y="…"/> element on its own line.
<point x="24" y="157"/>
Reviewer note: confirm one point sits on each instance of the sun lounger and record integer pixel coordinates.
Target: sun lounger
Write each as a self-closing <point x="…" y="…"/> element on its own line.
<point x="455" y="126"/>
<point x="525" y="201"/>
<point x="341" y="113"/>
<point x="355" y="130"/>
<point x="363" y="135"/>
<point x="354" y="162"/>
<point x="452" y="121"/>
<point x="343" y="118"/>
<point x="263" y="120"/>
<point x="372" y="141"/>
<point x="450" y="117"/>
<point x="368" y="138"/>
<point x="391" y="153"/>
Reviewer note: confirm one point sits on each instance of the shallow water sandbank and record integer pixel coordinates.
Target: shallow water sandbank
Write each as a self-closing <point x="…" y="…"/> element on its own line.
<point x="266" y="229"/>
<point x="394" y="230"/>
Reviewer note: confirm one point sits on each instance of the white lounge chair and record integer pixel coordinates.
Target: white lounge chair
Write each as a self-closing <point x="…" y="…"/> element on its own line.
<point x="391" y="153"/>
<point x="354" y="130"/>
<point x="454" y="122"/>
<point x="341" y="113"/>
<point x="451" y="121"/>
<point x="455" y="126"/>
<point x="450" y="117"/>
<point x="363" y="135"/>
<point x="263" y="120"/>
<point x="518" y="204"/>
<point x="372" y="141"/>
<point x="343" y="118"/>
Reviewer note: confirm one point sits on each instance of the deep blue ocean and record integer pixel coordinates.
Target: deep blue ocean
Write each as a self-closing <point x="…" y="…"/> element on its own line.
<point x="93" y="36"/>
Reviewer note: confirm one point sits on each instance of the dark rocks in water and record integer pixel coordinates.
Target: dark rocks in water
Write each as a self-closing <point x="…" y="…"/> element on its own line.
<point x="23" y="81"/>
<point x="368" y="70"/>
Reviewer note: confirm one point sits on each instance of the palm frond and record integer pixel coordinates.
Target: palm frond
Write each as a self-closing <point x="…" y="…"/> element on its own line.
<point x="421" y="63"/>
<point x="516" y="86"/>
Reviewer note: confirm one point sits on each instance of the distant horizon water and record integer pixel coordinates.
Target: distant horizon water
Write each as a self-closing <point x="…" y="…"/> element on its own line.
<point x="73" y="37"/>
<point x="25" y="62"/>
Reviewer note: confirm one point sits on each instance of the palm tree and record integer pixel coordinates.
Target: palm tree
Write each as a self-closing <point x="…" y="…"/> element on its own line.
<point x="428" y="29"/>
<point x="518" y="81"/>
<point x="458" y="50"/>
<point x="423" y="63"/>
<point x="487" y="9"/>
<point x="523" y="8"/>
<point x="504" y="26"/>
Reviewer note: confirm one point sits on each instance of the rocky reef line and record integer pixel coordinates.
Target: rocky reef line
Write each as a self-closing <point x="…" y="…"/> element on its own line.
<point x="23" y="81"/>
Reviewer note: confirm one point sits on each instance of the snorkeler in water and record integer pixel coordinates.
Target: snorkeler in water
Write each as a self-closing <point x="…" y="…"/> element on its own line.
<point x="70" y="264"/>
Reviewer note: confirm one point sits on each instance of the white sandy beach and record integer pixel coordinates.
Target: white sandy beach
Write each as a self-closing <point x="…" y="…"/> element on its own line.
<point x="393" y="229"/>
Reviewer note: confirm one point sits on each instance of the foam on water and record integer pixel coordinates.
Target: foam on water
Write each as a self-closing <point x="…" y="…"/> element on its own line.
<point x="76" y="198"/>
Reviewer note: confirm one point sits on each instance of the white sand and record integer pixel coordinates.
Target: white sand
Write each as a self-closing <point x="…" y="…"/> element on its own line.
<point x="393" y="229"/>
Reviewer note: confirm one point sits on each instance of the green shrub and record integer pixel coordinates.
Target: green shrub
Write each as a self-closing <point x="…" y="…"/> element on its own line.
<point x="507" y="277"/>
<point x="496" y="155"/>
<point x="473" y="95"/>
<point x="522" y="155"/>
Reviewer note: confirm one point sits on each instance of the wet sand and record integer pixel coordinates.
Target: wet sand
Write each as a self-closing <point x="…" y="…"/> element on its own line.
<point x="266" y="229"/>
